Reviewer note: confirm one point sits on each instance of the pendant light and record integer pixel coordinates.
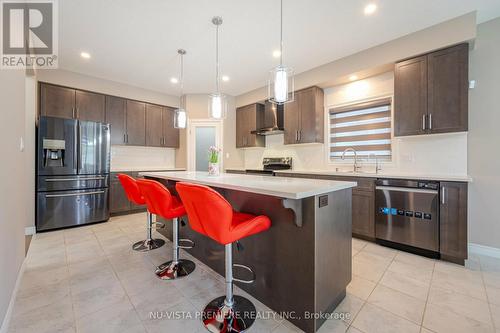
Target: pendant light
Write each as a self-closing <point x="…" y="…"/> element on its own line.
<point x="217" y="101"/>
<point x="180" y="118"/>
<point x="280" y="86"/>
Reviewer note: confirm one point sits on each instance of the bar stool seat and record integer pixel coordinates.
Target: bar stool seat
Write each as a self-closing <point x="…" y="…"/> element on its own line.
<point x="210" y="214"/>
<point x="162" y="203"/>
<point x="134" y="195"/>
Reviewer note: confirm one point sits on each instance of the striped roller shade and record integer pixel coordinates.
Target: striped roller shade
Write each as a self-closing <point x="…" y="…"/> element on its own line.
<point x="366" y="127"/>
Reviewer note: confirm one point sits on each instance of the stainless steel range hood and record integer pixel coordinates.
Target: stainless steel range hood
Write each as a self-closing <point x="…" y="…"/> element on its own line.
<point x="273" y="120"/>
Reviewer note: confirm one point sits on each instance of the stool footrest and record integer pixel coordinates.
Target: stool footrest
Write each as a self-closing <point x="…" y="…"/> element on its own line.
<point x="185" y="240"/>
<point x="159" y="225"/>
<point x="248" y="269"/>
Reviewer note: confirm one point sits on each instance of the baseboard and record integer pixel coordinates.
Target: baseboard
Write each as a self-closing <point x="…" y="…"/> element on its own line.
<point x="8" y="314"/>
<point x="484" y="250"/>
<point x="29" y="231"/>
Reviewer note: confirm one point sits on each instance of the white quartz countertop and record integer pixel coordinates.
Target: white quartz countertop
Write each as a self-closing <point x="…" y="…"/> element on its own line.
<point x="284" y="187"/>
<point x="396" y="175"/>
<point x="124" y="169"/>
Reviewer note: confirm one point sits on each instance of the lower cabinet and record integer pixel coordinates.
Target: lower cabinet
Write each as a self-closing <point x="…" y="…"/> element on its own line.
<point x="453" y="221"/>
<point x="118" y="201"/>
<point x="363" y="214"/>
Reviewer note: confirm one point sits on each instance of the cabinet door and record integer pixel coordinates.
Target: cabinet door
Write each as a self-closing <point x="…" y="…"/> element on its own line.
<point x="154" y="126"/>
<point x="118" y="201"/>
<point x="136" y="123"/>
<point x="410" y="97"/>
<point x="291" y="121"/>
<point x="311" y="115"/>
<point x="57" y="101"/>
<point x="116" y="117"/>
<point x="363" y="214"/>
<point x="170" y="133"/>
<point x="453" y="221"/>
<point x="448" y="90"/>
<point x="90" y="106"/>
<point x="240" y="127"/>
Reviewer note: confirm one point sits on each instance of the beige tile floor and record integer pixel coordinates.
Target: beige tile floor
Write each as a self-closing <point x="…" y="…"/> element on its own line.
<point x="89" y="280"/>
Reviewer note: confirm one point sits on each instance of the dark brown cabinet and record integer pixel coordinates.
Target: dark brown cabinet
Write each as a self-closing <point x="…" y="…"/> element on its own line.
<point x="304" y="117"/>
<point x="448" y="90"/>
<point x="63" y="102"/>
<point x="431" y="93"/>
<point x="410" y="97"/>
<point x="170" y="133"/>
<point x="56" y="101"/>
<point x="118" y="201"/>
<point x="453" y="221"/>
<point x="154" y="126"/>
<point x="136" y="123"/>
<point x="248" y="119"/>
<point x="90" y="106"/>
<point x="132" y="122"/>
<point x="116" y="117"/>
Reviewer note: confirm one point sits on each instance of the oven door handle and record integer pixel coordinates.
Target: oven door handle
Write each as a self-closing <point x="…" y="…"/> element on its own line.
<point x="406" y="189"/>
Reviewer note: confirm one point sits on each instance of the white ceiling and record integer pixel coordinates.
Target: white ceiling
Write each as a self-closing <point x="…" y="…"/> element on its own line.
<point x="136" y="42"/>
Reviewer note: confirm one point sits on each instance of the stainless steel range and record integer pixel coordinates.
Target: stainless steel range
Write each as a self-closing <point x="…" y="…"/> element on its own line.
<point x="271" y="164"/>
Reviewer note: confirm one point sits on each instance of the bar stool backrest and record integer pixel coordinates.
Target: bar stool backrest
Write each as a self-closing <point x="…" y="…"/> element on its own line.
<point x="131" y="189"/>
<point x="157" y="196"/>
<point x="208" y="212"/>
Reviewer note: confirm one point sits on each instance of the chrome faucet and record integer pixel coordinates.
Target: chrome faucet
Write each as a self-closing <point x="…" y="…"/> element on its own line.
<point x="355" y="166"/>
<point x="377" y="164"/>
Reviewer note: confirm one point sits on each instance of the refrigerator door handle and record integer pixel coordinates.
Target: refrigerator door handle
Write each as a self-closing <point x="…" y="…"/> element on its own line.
<point x="73" y="179"/>
<point x="73" y="194"/>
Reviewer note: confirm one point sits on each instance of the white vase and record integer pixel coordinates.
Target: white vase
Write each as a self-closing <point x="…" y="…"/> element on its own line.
<point x="213" y="169"/>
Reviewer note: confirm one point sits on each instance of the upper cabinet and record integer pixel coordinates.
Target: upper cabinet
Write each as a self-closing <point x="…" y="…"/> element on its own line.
<point x="62" y="102"/>
<point x="248" y="119"/>
<point x="304" y="117"/>
<point x="431" y="93"/>
<point x="160" y="131"/>
<point x="132" y="122"/>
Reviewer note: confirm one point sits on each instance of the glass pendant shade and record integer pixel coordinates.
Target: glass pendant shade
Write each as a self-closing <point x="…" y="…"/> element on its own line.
<point x="217" y="106"/>
<point x="281" y="85"/>
<point x="180" y="118"/>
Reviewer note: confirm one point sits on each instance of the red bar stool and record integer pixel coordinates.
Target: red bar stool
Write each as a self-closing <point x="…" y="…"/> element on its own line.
<point x="134" y="194"/>
<point x="211" y="215"/>
<point x="161" y="202"/>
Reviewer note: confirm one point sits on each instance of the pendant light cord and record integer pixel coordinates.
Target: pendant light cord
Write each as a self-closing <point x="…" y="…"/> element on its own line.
<point x="217" y="70"/>
<point x="281" y="33"/>
<point x="182" y="81"/>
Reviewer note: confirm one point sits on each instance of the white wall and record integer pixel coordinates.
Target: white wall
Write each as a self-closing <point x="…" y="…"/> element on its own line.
<point x="431" y="154"/>
<point x="484" y="137"/>
<point x="13" y="194"/>
<point x="130" y="158"/>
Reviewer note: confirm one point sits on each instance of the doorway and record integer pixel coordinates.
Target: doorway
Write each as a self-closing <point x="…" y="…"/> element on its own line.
<point x="203" y="134"/>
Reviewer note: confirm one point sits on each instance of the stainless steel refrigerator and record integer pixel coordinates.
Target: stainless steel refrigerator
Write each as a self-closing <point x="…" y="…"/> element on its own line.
<point x="73" y="163"/>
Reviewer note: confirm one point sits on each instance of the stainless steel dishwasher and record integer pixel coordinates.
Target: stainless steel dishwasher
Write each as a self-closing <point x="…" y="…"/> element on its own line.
<point x="407" y="213"/>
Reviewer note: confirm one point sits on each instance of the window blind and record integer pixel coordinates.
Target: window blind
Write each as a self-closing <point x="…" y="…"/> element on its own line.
<point x="366" y="127"/>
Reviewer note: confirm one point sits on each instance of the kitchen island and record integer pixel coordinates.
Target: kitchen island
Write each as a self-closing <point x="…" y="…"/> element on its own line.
<point x="303" y="262"/>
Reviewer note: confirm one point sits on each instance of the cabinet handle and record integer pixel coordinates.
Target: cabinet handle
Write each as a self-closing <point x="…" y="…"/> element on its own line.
<point x="126" y="135"/>
<point x="423" y="122"/>
<point x="77" y="113"/>
<point x="73" y="112"/>
<point x="443" y="195"/>
<point x="300" y="135"/>
<point x="430" y="121"/>
<point x="124" y="138"/>
<point x="296" y="136"/>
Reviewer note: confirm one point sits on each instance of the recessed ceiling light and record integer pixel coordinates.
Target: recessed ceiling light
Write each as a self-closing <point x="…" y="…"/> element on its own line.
<point x="276" y="53"/>
<point x="370" y="9"/>
<point x="225" y="78"/>
<point x="85" y="55"/>
<point x="174" y="80"/>
<point x="353" y="77"/>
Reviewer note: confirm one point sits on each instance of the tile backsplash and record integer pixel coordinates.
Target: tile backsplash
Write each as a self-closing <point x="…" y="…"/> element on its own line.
<point x="135" y="158"/>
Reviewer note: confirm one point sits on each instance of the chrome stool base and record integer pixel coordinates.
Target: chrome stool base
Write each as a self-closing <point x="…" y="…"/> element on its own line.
<point x="148" y="245"/>
<point x="172" y="271"/>
<point x="220" y="318"/>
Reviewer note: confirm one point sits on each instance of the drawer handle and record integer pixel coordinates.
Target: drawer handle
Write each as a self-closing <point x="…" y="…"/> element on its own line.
<point x="72" y="179"/>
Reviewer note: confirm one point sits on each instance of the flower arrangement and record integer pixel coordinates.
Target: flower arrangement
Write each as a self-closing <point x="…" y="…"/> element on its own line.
<point x="213" y="161"/>
<point x="213" y="154"/>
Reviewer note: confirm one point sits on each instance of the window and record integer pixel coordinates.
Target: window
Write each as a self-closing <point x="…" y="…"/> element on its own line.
<point x="366" y="127"/>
